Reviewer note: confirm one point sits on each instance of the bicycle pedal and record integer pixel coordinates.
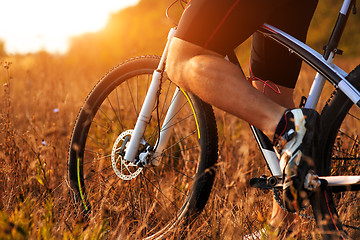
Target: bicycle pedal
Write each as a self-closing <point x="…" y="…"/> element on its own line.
<point x="261" y="183"/>
<point x="264" y="182"/>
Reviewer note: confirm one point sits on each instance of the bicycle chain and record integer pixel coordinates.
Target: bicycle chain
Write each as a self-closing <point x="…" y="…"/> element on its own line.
<point x="279" y="201"/>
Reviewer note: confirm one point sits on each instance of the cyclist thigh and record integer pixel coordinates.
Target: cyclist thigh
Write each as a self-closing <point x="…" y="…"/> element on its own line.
<point x="222" y="25"/>
<point x="179" y="60"/>
<point x="270" y="61"/>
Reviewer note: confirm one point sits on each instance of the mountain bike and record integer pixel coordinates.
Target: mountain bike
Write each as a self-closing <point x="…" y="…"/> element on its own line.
<point x="143" y="152"/>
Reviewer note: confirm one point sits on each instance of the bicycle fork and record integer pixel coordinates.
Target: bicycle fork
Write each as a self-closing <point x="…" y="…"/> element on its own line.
<point x="144" y="116"/>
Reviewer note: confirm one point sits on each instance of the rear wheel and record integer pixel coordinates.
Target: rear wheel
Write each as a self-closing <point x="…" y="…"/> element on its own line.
<point x="340" y="152"/>
<point x="142" y="202"/>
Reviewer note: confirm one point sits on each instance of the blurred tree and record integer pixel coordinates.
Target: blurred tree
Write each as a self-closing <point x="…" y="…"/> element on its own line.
<point x="136" y="30"/>
<point x="142" y="29"/>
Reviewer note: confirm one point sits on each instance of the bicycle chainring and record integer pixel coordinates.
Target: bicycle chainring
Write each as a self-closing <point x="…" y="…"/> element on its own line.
<point x="280" y="202"/>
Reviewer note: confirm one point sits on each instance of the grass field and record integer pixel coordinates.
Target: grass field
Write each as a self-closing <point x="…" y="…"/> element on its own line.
<point x="41" y="96"/>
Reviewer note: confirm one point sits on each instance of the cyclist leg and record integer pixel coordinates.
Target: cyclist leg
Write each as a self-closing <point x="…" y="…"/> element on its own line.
<point x="197" y="65"/>
<point x="282" y="220"/>
<point x="233" y="94"/>
<point x="284" y="71"/>
<point x="209" y="29"/>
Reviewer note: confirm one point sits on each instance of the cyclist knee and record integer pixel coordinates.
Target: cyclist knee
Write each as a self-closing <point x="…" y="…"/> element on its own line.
<point x="183" y="63"/>
<point x="176" y="61"/>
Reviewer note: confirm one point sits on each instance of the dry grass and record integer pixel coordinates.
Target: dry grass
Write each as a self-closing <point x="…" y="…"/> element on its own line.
<point x="41" y="96"/>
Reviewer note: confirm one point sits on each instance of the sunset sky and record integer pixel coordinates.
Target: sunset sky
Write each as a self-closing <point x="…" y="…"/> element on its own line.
<point x="33" y="25"/>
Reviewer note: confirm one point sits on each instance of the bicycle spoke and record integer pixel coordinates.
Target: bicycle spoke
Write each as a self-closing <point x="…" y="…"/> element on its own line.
<point x="149" y="169"/>
<point x="122" y="129"/>
<point x="105" y="128"/>
<point x="99" y="143"/>
<point x="352" y="227"/>
<point x="183" y="174"/>
<point x="98" y="172"/>
<point x="132" y="99"/>
<point x="137" y="92"/>
<point x="192" y="133"/>
<point x="348" y="136"/>
<point x="118" y="104"/>
<point x="96" y="159"/>
<point x="108" y="118"/>
<point x="102" y="196"/>
<point x="353" y="116"/>
<point x="159" y="190"/>
<point x="155" y="134"/>
<point x="183" y="119"/>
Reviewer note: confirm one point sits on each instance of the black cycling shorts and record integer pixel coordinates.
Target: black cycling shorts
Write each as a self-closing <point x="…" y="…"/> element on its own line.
<point x="222" y="25"/>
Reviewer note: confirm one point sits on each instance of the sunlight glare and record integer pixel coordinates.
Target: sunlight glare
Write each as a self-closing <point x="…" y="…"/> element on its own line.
<point x="33" y="25"/>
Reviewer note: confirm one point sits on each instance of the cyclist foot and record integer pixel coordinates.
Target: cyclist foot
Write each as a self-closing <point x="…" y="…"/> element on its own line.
<point x="294" y="143"/>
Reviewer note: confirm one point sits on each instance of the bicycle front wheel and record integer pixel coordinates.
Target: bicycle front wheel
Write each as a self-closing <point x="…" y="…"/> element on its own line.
<point x="141" y="202"/>
<point x="340" y="132"/>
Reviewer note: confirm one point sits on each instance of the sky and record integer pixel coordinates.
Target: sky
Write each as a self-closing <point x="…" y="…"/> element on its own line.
<point x="32" y="25"/>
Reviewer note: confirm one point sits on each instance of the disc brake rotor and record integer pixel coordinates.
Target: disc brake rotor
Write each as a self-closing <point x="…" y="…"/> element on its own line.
<point x="123" y="169"/>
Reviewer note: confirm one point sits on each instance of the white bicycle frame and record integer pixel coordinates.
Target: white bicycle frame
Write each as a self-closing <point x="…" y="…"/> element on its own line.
<point x="326" y="70"/>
